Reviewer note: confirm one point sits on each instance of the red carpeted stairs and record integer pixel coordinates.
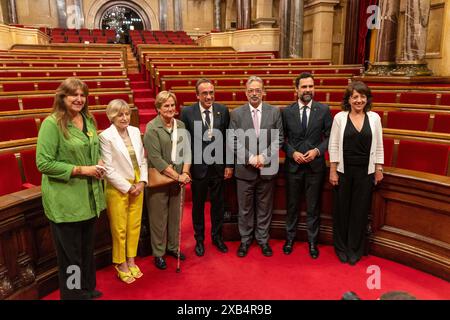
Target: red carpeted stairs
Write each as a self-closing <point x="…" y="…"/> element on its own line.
<point x="217" y="276"/>
<point x="143" y="99"/>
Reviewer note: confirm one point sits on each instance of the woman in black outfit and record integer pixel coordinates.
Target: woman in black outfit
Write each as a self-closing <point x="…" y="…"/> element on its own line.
<point x="356" y="164"/>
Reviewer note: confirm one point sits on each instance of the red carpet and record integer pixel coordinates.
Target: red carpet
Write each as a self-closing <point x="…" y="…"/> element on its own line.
<point x="218" y="276"/>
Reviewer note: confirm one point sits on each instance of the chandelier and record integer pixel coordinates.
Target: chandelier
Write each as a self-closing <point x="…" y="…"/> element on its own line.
<point x="114" y="18"/>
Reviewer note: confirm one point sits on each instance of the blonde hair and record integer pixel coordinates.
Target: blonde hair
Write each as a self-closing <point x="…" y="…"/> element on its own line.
<point x="162" y="97"/>
<point x="66" y="88"/>
<point x="116" y="106"/>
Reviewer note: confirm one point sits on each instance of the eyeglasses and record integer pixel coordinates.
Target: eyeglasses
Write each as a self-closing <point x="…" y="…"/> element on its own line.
<point x="257" y="91"/>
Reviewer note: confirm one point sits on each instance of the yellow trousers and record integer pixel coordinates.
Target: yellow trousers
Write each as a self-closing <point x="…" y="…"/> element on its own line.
<point x="124" y="213"/>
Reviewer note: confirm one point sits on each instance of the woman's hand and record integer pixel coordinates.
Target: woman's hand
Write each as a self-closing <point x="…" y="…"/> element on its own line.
<point x="89" y="171"/>
<point x="378" y="177"/>
<point x="138" y="188"/>
<point x="184" y="178"/>
<point x="334" y="178"/>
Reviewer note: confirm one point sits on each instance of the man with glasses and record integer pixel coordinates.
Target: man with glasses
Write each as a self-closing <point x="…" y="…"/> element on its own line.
<point x="206" y="122"/>
<point x="256" y="134"/>
<point x="307" y="126"/>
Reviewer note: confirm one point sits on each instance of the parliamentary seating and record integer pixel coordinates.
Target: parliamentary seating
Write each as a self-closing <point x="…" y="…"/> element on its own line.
<point x="44" y="85"/>
<point x="33" y="100"/>
<point x="37" y="102"/>
<point x="388" y="145"/>
<point x="423" y="156"/>
<point x="441" y="123"/>
<point x="343" y="71"/>
<point x="222" y="82"/>
<point x="24" y="65"/>
<point x="102" y="120"/>
<point x="9" y="104"/>
<point x="31" y="173"/>
<point x="17" y="128"/>
<point x="237" y="81"/>
<point x="10" y="174"/>
<point x="408" y="120"/>
<point x="60" y="74"/>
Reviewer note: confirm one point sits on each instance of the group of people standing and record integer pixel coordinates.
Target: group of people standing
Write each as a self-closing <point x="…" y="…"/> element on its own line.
<point x="205" y="147"/>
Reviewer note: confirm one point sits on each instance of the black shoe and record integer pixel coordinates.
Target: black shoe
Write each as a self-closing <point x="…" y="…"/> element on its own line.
<point x="288" y="246"/>
<point x="243" y="249"/>
<point x="94" y="294"/>
<point x="175" y="255"/>
<point x="160" y="263"/>
<point x="220" y="245"/>
<point x="353" y="260"/>
<point x="266" y="250"/>
<point x="342" y="257"/>
<point x="199" y="248"/>
<point x="313" y="250"/>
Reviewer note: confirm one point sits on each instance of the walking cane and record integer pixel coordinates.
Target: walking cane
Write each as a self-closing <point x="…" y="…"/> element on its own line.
<point x="179" y="227"/>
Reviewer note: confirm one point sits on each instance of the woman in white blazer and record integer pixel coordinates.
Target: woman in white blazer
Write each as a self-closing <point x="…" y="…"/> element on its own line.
<point x="356" y="164"/>
<point x="126" y="176"/>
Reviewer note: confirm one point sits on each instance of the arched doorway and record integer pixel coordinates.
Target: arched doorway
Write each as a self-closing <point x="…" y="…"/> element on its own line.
<point x="121" y="19"/>
<point x="122" y="16"/>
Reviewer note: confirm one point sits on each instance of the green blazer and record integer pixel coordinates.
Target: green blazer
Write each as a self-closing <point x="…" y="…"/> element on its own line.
<point x="66" y="198"/>
<point x="157" y="142"/>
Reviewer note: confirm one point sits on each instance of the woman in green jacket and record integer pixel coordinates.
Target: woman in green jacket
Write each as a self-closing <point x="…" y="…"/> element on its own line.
<point x="68" y="155"/>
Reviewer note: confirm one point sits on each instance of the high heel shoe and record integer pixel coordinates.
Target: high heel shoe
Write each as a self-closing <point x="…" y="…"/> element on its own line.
<point x="135" y="271"/>
<point x="126" y="277"/>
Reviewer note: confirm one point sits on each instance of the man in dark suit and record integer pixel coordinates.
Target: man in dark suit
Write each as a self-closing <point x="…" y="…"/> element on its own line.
<point x="307" y="125"/>
<point x="256" y="131"/>
<point x="206" y="122"/>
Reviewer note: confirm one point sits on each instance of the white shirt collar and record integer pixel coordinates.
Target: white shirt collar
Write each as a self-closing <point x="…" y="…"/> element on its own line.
<point x="300" y="104"/>
<point x="203" y="109"/>
<point x="258" y="108"/>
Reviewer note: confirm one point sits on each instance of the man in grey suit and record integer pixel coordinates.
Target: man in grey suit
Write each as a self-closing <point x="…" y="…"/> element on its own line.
<point x="307" y="125"/>
<point x="257" y="135"/>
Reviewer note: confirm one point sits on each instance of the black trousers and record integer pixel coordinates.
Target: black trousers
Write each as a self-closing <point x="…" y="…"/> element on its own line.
<point x="311" y="183"/>
<point x="74" y="243"/>
<point x="215" y="184"/>
<point x="352" y="199"/>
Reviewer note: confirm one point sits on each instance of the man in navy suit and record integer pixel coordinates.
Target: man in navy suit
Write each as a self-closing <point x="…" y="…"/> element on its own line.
<point x="307" y="126"/>
<point x="206" y="122"/>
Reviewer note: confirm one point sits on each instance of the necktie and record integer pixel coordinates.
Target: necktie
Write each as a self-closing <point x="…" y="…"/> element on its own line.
<point x="304" y="119"/>
<point x="255" y="121"/>
<point x="207" y="119"/>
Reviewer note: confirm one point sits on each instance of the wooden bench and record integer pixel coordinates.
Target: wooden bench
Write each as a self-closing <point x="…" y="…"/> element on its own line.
<point x="20" y="86"/>
<point x="26" y="104"/>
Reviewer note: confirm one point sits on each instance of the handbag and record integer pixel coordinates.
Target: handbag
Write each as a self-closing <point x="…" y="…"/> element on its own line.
<point x="156" y="179"/>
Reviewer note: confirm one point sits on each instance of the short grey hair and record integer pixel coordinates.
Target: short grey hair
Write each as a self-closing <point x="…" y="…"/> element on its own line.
<point x="254" y="78"/>
<point x="116" y="106"/>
